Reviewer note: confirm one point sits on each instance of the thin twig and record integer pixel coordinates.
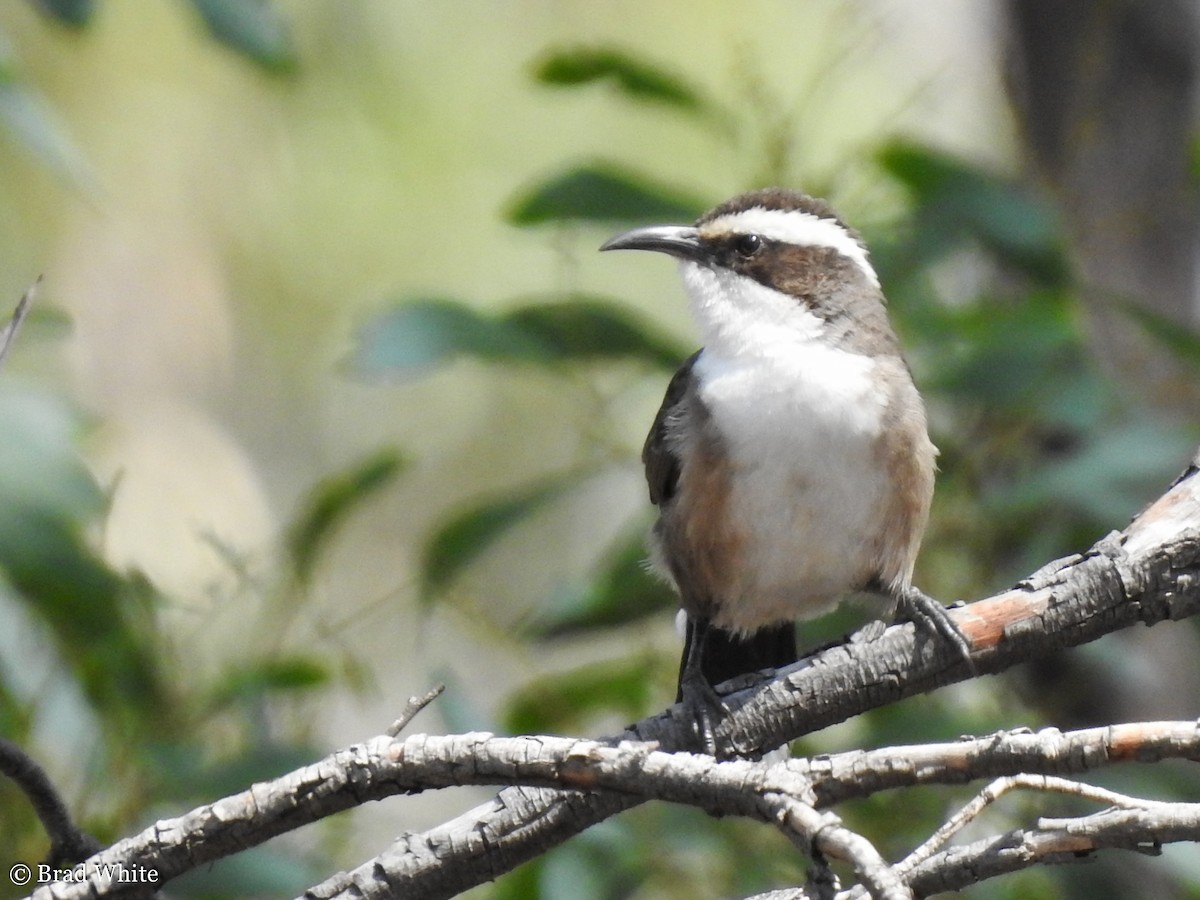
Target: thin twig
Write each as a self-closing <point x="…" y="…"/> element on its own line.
<point x="68" y="844"/>
<point x="1001" y="786"/>
<point x="9" y="331"/>
<point x="413" y="707"/>
<point x="1056" y="841"/>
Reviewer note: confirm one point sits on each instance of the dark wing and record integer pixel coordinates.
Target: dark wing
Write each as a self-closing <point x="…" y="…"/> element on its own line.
<point x="658" y="456"/>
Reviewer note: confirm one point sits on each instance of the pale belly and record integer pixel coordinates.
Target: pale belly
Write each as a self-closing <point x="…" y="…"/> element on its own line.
<point x="808" y="535"/>
<point x="806" y="487"/>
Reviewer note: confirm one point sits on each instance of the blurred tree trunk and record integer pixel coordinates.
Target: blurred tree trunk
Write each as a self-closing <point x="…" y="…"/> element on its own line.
<point x="1104" y="92"/>
<point x="1105" y="97"/>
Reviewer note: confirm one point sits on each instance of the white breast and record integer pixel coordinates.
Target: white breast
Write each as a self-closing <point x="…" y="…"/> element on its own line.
<point x="800" y="420"/>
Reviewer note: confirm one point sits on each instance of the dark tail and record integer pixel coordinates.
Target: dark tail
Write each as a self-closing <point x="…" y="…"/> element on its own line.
<point x="724" y="655"/>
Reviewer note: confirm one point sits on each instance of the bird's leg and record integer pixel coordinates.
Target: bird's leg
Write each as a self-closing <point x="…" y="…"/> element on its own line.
<point x="928" y="614"/>
<point x="702" y="703"/>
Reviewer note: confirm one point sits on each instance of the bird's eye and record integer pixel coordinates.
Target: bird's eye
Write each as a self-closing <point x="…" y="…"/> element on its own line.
<point x="747" y="245"/>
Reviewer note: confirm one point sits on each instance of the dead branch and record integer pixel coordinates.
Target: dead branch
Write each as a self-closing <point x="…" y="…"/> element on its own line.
<point x="383" y="767"/>
<point x="9" y="332"/>
<point x="1146" y="574"/>
<point x="68" y="844"/>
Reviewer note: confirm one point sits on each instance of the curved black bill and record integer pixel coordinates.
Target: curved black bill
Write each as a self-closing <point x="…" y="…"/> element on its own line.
<point x="681" y="241"/>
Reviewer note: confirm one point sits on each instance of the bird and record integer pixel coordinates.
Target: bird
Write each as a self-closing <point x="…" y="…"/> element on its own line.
<point x="790" y="462"/>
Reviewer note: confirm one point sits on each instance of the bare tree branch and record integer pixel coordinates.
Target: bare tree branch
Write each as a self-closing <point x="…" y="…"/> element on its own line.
<point x="383" y="767"/>
<point x="824" y="832"/>
<point x="68" y="844"/>
<point x="1002" y="786"/>
<point x="1143" y="828"/>
<point x="9" y="332"/>
<point x="413" y="708"/>
<point x="1145" y="574"/>
<point x="1057" y="841"/>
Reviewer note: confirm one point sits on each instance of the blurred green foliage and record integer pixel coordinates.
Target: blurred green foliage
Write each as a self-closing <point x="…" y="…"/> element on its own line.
<point x="635" y="78"/>
<point x="253" y="28"/>
<point x="1041" y="453"/>
<point x="419" y="334"/>
<point x="600" y="192"/>
<point x="163" y="739"/>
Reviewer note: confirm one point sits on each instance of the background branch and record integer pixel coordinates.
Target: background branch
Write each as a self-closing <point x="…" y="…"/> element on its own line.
<point x="68" y="844"/>
<point x="9" y="332"/>
<point x="1002" y="786"/>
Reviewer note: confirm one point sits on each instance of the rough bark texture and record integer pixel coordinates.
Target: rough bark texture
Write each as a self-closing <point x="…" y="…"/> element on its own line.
<point x="1145" y="574"/>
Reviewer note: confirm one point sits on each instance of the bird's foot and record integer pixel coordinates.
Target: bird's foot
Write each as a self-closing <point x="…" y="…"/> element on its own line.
<point x="930" y="616"/>
<point x="704" y="707"/>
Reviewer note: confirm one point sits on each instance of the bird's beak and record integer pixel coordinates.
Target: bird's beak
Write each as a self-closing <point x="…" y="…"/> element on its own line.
<point x="682" y="241"/>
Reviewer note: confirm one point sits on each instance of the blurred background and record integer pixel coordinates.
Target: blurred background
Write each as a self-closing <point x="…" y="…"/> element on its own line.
<point x="327" y="397"/>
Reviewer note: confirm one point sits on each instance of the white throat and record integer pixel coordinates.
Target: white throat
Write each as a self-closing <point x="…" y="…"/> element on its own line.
<point x="738" y="317"/>
<point x="769" y="372"/>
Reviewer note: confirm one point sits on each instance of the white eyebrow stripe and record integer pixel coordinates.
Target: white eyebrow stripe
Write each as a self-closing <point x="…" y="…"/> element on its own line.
<point x="797" y="227"/>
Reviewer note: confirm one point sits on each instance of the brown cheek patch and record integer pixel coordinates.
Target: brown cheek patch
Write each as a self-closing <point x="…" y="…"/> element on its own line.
<point x="803" y="272"/>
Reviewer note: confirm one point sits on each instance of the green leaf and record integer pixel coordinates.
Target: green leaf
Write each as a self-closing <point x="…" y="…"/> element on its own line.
<point x="1004" y="353"/>
<point x="601" y="192"/>
<point x="623" y="590"/>
<point x="563" y="703"/>
<point x="1182" y="340"/>
<point x="461" y="540"/>
<point x="256" y="680"/>
<point x="522" y="882"/>
<point x="956" y="200"/>
<point x="253" y="28"/>
<point x="73" y="13"/>
<point x="636" y="78"/>
<point x="413" y="338"/>
<point x="584" y="327"/>
<point x="102" y="623"/>
<point x="40" y="473"/>
<point x="331" y="502"/>
<point x="37" y="129"/>
<point x="1110" y="477"/>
